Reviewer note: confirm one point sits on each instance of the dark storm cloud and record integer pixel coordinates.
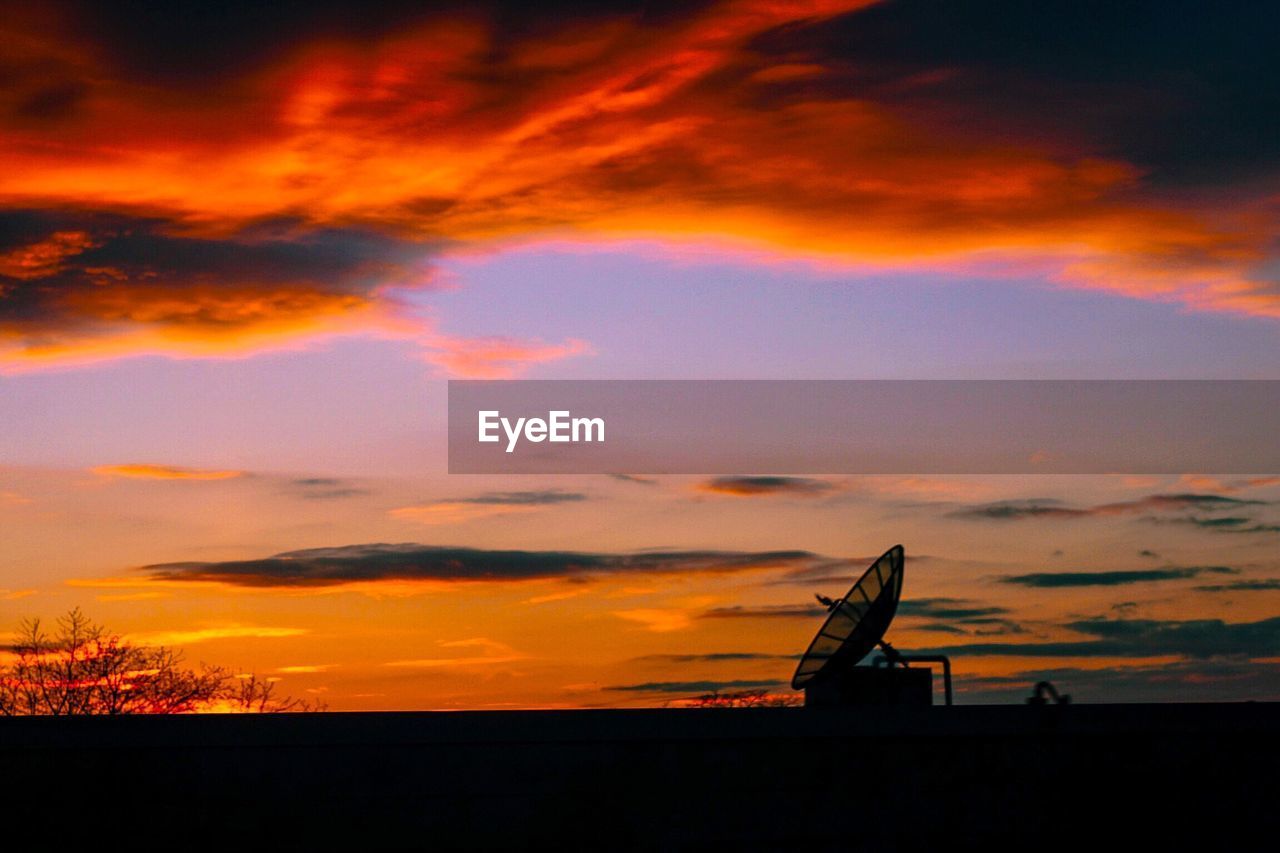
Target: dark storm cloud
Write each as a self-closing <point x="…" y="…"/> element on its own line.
<point x="1138" y="638"/>
<point x="199" y="42"/>
<point x="279" y="249"/>
<point x="62" y="274"/>
<point x="712" y="657"/>
<point x="941" y="628"/>
<point x="1179" y="501"/>
<point x="325" y="488"/>
<point x="202" y="41"/>
<point x="545" y="497"/>
<point x="1228" y="524"/>
<point x="632" y="478"/>
<point x="1258" y="585"/>
<point x="767" y="611"/>
<point x="763" y="486"/>
<point x="953" y="609"/>
<point x="1183" y="89"/>
<point x="944" y="615"/>
<point x="1020" y="509"/>
<point x="996" y="627"/>
<point x="50" y="101"/>
<point x="1054" y="580"/>
<point x="956" y="616"/>
<point x="1049" y="508"/>
<point x="323" y="567"/>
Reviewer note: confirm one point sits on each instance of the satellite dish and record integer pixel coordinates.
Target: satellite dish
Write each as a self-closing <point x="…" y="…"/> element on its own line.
<point x="856" y="623"/>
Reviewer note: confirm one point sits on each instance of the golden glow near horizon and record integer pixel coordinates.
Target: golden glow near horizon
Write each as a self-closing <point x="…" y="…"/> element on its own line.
<point x="484" y="628"/>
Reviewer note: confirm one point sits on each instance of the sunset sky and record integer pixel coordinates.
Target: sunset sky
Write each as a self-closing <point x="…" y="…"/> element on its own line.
<point x="243" y="247"/>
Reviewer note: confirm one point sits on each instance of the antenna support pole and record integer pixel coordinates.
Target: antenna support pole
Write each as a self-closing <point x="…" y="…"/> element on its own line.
<point x="892" y="656"/>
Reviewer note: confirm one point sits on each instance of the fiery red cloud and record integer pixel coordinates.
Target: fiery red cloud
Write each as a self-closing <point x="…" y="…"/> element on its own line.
<point x="163" y="211"/>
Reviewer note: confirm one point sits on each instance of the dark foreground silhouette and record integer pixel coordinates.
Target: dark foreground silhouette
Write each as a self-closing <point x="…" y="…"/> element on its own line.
<point x="770" y="778"/>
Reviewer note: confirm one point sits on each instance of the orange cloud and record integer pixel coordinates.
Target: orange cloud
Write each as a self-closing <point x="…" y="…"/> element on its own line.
<point x="482" y="506"/>
<point x="555" y="596"/>
<point x="658" y="620"/>
<point x="142" y="471"/>
<point x="452" y="512"/>
<point x="145" y="595"/>
<point x="495" y="358"/>
<point x="763" y="486"/>
<point x="946" y="488"/>
<point x="491" y="653"/>
<point x="43" y="257"/>
<point x="1215" y="484"/>
<point x="186" y="637"/>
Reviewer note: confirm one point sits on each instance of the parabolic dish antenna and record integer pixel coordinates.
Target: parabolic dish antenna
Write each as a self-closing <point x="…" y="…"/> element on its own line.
<point x="856" y="623"/>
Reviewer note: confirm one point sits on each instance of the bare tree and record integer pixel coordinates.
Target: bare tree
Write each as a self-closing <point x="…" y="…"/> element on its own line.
<point x="746" y="699"/>
<point x="82" y="669"/>
<point x="251" y="693"/>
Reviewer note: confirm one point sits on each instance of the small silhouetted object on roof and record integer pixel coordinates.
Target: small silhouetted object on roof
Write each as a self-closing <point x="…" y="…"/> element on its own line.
<point x="1044" y="691"/>
<point x="829" y="673"/>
